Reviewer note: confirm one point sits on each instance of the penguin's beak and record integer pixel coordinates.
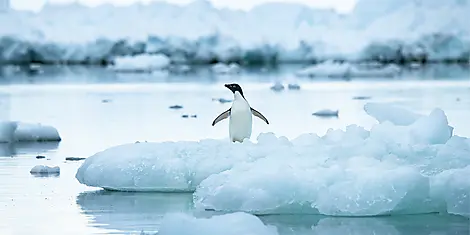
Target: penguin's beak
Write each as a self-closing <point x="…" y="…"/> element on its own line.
<point x="228" y="86"/>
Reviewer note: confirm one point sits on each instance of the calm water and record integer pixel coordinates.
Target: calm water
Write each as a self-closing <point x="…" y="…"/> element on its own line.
<point x="94" y="109"/>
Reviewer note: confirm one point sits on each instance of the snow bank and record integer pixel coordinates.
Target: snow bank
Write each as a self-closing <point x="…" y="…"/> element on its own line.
<point x="27" y="132"/>
<point x="229" y="224"/>
<point x="415" y="167"/>
<point x="200" y="33"/>
<point x="343" y="70"/>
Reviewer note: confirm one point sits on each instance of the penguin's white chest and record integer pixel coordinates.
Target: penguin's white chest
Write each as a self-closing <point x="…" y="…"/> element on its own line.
<point x="240" y="120"/>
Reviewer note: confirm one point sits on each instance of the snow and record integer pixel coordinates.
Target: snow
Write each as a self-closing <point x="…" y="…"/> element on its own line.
<point x="343" y="70"/>
<point x="229" y="224"/>
<point x="409" y="166"/>
<point x="41" y="169"/>
<point x="385" y="30"/>
<point x="27" y="132"/>
<point x="141" y="63"/>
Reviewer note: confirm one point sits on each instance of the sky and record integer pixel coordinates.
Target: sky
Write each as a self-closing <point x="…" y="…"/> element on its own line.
<point x="340" y="5"/>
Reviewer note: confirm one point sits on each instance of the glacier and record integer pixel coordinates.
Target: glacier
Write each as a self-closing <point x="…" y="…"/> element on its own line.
<point x="199" y="33"/>
<point x="412" y="165"/>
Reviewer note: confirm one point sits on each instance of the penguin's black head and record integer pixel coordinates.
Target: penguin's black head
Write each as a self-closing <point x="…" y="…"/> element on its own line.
<point x="234" y="87"/>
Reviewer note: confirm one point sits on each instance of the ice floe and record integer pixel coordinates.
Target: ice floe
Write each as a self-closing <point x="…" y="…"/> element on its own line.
<point x="410" y="166"/>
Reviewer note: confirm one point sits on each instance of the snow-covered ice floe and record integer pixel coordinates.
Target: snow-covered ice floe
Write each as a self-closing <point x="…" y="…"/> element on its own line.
<point x="345" y="69"/>
<point x="398" y="167"/>
<point x="228" y="224"/>
<point x="27" y="132"/>
<point x="388" y="31"/>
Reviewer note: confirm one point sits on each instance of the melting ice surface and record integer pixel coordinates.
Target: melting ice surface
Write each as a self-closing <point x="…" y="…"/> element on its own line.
<point x="407" y="166"/>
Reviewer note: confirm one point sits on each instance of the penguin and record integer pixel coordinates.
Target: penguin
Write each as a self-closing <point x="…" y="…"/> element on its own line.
<point x="240" y="114"/>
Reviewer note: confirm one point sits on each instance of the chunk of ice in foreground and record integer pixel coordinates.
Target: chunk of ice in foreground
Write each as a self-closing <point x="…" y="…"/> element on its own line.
<point x="228" y="224"/>
<point x="391" y="169"/>
<point x="27" y="132"/>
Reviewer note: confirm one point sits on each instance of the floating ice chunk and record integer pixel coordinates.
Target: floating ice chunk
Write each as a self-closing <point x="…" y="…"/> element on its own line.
<point x="326" y="69"/>
<point x="41" y="169"/>
<point x="387" y="112"/>
<point x="27" y="132"/>
<point x="385" y="71"/>
<point x="141" y="63"/>
<point x="293" y="86"/>
<point x="221" y="68"/>
<point x="390" y="169"/>
<point x="277" y="87"/>
<point x="345" y="69"/>
<point x="36" y="132"/>
<point x="326" y="113"/>
<point x="228" y="224"/>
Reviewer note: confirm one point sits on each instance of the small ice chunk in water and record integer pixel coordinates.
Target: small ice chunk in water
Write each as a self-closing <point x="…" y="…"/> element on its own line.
<point x="42" y="169"/>
<point x="228" y="224"/>
<point x="277" y="87"/>
<point x="326" y="113"/>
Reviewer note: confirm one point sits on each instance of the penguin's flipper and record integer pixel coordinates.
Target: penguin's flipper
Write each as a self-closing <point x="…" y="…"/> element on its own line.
<point x="222" y="116"/>
<point x="259" y="115"/>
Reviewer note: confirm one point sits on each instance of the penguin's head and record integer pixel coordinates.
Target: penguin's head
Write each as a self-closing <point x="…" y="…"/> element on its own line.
<point x="234" y="87"/>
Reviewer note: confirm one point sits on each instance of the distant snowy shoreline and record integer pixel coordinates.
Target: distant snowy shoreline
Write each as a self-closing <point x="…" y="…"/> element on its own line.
<point x="396" y="31"/>
<point x="104" y="52"/>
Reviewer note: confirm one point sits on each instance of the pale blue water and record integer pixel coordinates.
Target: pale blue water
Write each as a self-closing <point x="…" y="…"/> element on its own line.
<point x="136" y="108"/>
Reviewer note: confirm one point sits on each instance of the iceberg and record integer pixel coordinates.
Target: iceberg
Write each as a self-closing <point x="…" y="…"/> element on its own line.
<point x="404" y="32"/>
<point x="410" y="166"/>
<point x="27" y="132"/>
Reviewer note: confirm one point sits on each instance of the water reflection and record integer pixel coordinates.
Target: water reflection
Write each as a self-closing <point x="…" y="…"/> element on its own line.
<point x="18" y="148"/>
<point x="135" y="212"/>
<point x="126" y="211"/>
<point x="400" y="225"/>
